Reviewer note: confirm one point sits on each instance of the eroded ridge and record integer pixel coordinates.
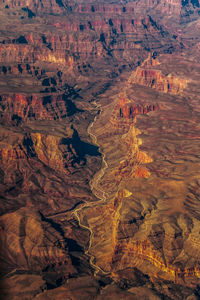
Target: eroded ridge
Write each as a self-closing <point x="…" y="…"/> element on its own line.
<point x="150" y="74"/>
<point x="130" y="167"/>
<point x="125" y="225"/>
<point x="125" y="112"/>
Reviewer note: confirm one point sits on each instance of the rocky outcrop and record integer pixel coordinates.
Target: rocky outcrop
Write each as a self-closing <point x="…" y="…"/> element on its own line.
<point x="35" y="6"/>
<point x="156" y="80"/>
<point x="82" y="34"/>
<point x="60" y="154"/>
<point x="129" y="110"/>
<point x="134" y="163"/>
<point x="36" y="50"/>
<point x="26" y="161"/>
<point x="125" y="112"/>
<point x="21" y="107"/>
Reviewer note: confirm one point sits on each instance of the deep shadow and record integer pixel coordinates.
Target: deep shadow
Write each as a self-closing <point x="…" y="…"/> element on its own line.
<point x="70" y="106"/>
<point x="17" y="119"/>
<point x="20" y="40"/>
<point x="28" y="143"/>
<point x="81" y="148"/>
<point x="29" y="12"/>
<point x="70" y="244"/>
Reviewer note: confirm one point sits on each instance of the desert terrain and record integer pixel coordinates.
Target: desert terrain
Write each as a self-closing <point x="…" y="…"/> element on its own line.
<point x="99" y="149"/>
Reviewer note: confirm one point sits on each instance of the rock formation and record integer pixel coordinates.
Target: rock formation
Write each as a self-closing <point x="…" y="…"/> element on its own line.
<point x="153" y="78"/>
<point x="99" y="149"/>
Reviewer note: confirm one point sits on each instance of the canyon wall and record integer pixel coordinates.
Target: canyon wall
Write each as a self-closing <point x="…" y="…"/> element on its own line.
<point x="99" y="149"/>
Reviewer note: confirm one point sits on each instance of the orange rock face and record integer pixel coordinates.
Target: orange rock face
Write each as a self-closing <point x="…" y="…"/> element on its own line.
<point x="155" y="79"/>
<point x="132" y="165"/>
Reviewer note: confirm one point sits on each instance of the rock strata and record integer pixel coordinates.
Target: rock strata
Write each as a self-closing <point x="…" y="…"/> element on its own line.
<point x="99" y="149"/>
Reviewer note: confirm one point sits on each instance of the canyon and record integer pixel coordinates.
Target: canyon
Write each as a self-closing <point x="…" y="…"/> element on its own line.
<point x="99" y="149"/>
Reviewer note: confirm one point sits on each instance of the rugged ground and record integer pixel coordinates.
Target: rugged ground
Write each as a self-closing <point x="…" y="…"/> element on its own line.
<point x="99" y="149"/>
